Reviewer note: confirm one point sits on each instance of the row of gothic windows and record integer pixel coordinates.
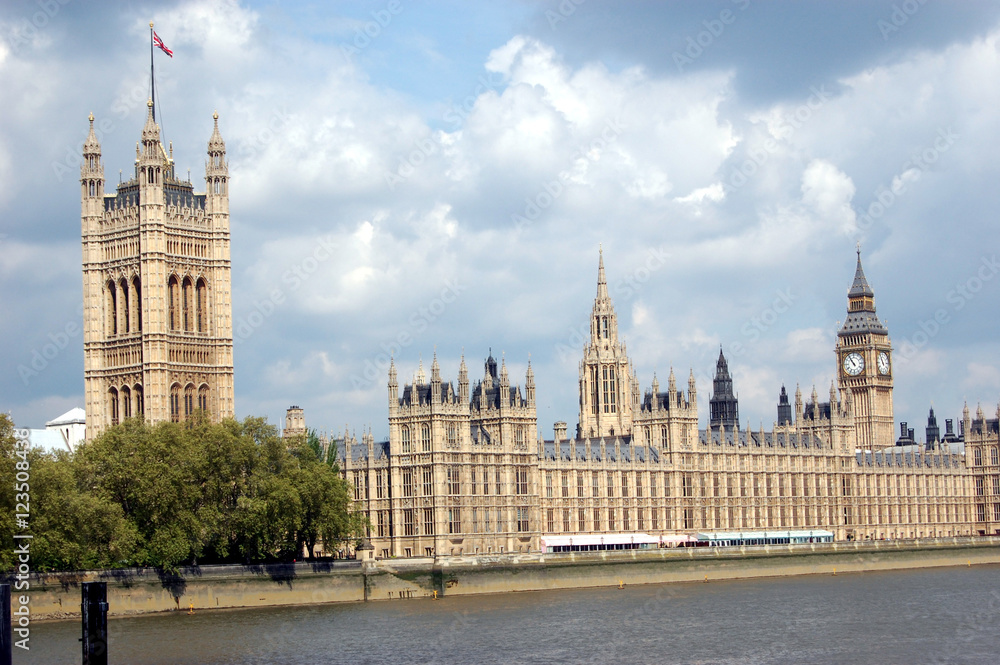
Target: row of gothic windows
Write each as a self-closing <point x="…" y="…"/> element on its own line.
<point x="123" y="305"/>
<point x="994" y="456"/>
<point x="184" y="401"/>
<point x="153" y="176"/>
<point x="187" y="304"/>
<point x="125" y="402"/>
<point x="425" y="438"/>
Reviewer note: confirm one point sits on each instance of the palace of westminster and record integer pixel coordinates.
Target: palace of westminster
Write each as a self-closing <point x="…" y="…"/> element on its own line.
<point x="465" y="470"/>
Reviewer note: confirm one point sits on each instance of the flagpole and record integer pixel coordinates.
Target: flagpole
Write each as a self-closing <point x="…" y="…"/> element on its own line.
<point x="152" y="78"/>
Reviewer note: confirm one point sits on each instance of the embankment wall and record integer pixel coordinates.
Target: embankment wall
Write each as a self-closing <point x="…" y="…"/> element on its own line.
<point x="57" y="595"/>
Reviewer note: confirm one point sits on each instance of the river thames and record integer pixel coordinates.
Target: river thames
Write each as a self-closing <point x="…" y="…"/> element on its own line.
<point x="944" y="615"/>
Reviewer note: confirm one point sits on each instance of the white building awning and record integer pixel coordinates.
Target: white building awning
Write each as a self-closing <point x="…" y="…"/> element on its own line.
<point x="587" y="539"/>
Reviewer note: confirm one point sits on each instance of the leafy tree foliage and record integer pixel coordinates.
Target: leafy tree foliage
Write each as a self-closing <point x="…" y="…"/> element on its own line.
<point x="176" y="494"/>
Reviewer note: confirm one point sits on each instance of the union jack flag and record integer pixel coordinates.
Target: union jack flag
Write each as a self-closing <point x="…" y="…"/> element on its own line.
<point x="159" y="43"/>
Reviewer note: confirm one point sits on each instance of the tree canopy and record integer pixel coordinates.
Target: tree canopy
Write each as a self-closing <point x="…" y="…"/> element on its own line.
<point x="175" y="494"/>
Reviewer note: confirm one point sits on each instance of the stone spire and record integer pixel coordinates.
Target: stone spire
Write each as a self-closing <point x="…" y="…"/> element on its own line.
<point x="91" y="146"/>
<point x="463" y="381"/>
<point x="393" y="386"/>
<point x="529" y="385"/>
<point x="215" y="142"/>
<point x="602" y="282"/>
<point x="435" y="380"/>
<point x="150" y="131"/>
<point x="609" y="390"/>
<point x="91" y="169"/>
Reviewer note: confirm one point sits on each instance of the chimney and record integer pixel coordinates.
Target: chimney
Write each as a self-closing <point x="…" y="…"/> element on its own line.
<point x="559" y="429"/>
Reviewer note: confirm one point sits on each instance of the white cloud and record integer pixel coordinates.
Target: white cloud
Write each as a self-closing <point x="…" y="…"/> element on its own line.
<point x="714" y="193"/>
<point x="982" y="378"/>
<point x="828" y="191"/>
<point x="642" y="159"/>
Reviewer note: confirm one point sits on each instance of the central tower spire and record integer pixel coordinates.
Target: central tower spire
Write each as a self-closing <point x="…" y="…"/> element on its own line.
<point x="609" y="390"/>
<point x="602" y="282"/>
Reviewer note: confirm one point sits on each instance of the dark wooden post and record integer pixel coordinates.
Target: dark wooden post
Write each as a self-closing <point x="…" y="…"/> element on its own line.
<point x="6" y="633"/>
<point x="95" y="623"/>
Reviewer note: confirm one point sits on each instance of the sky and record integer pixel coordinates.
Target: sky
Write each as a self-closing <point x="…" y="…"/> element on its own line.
<point x="420" y="178"/>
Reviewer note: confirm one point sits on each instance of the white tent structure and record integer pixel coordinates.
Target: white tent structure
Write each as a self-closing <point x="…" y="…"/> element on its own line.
<point x="62" y="433"/>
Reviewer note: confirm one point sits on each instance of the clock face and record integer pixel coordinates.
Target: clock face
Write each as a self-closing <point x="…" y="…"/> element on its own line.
<point x="854" y="364"/>
<point x="883" y="362"/>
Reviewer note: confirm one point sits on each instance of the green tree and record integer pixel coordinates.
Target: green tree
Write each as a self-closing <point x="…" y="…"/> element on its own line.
<point x="8" y="471"/>
<point x="326" y="502"/>
<point x="174" y="494"/>
<point x="73" y="529"/>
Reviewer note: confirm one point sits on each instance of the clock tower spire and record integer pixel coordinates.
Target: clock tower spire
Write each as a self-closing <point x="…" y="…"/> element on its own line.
<point x="864" y="357"/>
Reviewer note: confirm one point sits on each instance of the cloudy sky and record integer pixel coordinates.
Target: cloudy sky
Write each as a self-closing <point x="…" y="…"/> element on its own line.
<point x="418" y="177"/>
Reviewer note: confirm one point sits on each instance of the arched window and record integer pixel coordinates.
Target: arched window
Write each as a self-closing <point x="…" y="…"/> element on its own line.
<point x="113" y="405"/>
<point x="519" y="435"/>
<point x="663" y="435"/>
<point x="140" y="406"/>
<point x="425" y="438"/>
<point x="201" y="305"/>
<point x="978" y="455"/>
<point x="173" y="302"/>
<point x="136" y="305"/>
<point x="126" y="402"/>
<point x="124" y="325"/>
<point x="452" y="435"/>
<point x="994" y="456"/>
<point x="405" y="435"/>
<point x="111" y="308"/>
<point x="203" y="398"/>
<point x="188" y="400"/>
<point x="188" y="312"/>
<point x="175" y="403"/>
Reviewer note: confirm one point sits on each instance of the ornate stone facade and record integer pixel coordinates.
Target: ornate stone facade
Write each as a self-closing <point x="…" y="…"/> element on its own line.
<point x="465" y="474"/>
<point x="157" y="313"/>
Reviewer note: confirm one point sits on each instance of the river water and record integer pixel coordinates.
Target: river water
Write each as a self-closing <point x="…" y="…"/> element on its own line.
<point x="936" y="616"/>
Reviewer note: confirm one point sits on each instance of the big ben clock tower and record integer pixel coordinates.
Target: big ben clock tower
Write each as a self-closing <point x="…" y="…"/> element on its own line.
<point x="864" y="365"/>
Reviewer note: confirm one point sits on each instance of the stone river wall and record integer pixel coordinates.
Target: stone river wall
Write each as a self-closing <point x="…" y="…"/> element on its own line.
<point x="140" y="591"/>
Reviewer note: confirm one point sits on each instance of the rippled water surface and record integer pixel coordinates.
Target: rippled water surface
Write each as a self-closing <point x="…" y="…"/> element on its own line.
<point x="946" y="615"/>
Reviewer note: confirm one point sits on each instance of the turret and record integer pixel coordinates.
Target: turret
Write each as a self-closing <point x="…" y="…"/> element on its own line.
<point x="784" y="408"/>
<point x="529" y="385"/>
<point x="435" y="381"/>
<point x="217" y="172"/>
<point x="504" y="384"/>
<point x="723" y="405"/>
<point x="91" y="181"/>
<point x="933" y="432"/>
<point x="393" y="387"/>
<point x="463" y="382"/>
